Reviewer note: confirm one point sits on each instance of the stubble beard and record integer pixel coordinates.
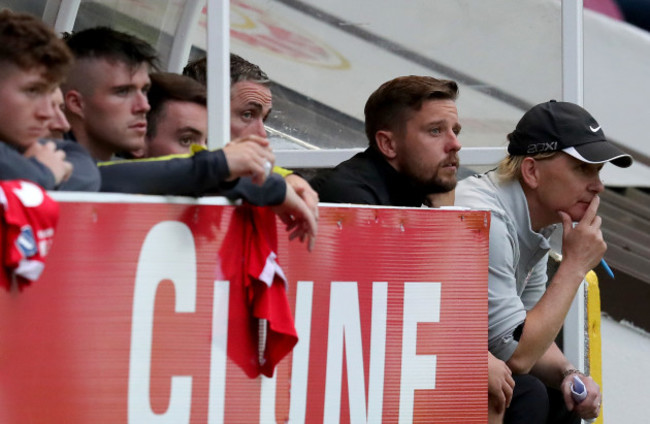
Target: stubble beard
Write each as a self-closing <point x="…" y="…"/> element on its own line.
<point x="436" y="183"/>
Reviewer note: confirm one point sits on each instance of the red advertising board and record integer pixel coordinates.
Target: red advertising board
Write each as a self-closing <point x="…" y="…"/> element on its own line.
<point x="129" y="321"/>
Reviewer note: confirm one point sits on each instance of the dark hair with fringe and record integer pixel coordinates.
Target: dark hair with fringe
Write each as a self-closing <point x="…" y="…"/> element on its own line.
<point x="115" y="46"/>
<point x="28" y="43"/>
<point x="167" y="87"/>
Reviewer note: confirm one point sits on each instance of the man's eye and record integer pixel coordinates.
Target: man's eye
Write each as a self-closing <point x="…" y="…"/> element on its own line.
<point x="247" y="115"/>
<point x="186" y="141"/>
<point x="34" y="91"/>
<point x="434" y="130"/>
<point x="588" y="169"/>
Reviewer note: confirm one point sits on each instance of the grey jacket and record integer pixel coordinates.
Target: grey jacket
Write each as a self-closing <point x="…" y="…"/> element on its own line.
<point x="85" y="175"/>
<point x="518" y="256"/>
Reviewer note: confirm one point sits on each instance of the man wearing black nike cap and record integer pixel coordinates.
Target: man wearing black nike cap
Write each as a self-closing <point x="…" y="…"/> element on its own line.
<point x="550" y="176"/>
<point x="555" y="126"/>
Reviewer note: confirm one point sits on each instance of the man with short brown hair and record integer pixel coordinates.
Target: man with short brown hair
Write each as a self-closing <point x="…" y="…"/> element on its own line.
<point x="412" y="128"/>
<point x="178" y="117"/>
<point x="106" y="90"/>
<point x="33" y="62"/>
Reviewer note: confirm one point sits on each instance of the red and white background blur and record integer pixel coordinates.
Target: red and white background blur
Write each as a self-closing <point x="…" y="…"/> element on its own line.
<point x="129" y="321"/>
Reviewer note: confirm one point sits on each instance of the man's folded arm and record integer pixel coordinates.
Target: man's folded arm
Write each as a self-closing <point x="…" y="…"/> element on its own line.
<point x="85" y="175"/>
<point x="14" y="166"/>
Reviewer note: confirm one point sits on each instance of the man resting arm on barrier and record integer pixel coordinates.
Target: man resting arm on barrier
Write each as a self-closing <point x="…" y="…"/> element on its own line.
<point x="251" y="102"/>
<point x="107" y="105"/>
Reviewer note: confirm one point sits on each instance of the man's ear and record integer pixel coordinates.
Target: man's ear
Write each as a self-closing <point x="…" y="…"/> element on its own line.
<point x="386" y="144"/>
<point x="74" y="103"/>
<point x="530" y="172"/>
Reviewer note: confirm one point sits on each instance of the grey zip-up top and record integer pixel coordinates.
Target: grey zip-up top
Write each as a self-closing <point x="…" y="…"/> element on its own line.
<point x="518" y="256"/>
<point x="85" y="176"/>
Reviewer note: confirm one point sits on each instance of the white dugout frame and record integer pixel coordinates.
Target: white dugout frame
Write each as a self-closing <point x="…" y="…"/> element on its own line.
<point x="218" y="47"/>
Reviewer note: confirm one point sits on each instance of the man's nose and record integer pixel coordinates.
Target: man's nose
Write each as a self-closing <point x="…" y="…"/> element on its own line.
<point x="454" y="144"/>
<point x="45" y="110"/>
<point x="141" y="103"/>
<point x="259" y="128"/>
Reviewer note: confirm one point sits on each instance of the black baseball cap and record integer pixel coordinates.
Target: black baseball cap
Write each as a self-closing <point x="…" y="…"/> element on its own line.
<point x="562" y="126"/>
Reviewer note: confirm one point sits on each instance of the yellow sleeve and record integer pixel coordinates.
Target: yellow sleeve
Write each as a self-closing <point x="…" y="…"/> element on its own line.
<point x="282" y="171"/>
<point x="194" y="148"/>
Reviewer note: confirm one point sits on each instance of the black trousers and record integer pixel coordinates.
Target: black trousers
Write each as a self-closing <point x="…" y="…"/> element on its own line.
<point x="534" y="403"/>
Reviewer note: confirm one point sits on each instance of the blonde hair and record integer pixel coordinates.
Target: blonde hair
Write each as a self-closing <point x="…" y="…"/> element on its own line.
<point x="509" y="169"/>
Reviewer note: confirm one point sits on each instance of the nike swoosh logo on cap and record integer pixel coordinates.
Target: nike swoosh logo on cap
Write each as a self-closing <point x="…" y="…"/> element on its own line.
<point x="594" y="129"/>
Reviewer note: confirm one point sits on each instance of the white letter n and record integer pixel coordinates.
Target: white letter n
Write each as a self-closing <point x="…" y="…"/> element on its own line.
<point x="345" y="324"/>
<point x="421" y="304"/>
